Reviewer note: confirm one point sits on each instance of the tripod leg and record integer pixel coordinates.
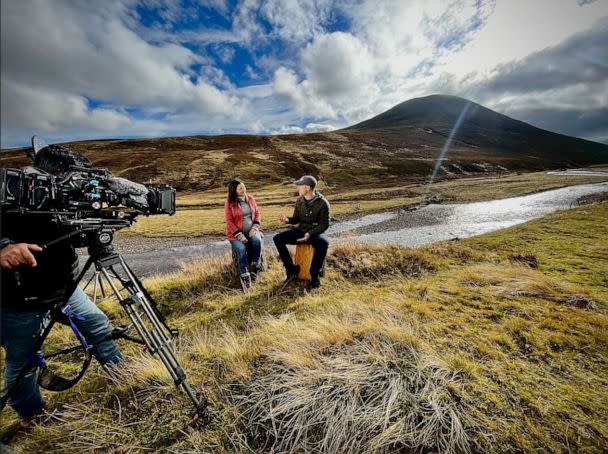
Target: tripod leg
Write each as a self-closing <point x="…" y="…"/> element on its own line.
<point x="145" y="319"/>
<point x="96" y="275"/>
<point x="89" y="281"/>
<point x="103" y="292"/>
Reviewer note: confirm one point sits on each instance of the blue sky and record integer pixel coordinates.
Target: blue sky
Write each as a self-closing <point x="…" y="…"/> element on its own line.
<point x="125" y="68"/>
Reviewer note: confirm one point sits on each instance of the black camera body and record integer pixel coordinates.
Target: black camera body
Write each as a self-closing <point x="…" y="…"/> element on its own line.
<point x="82" y="193"/>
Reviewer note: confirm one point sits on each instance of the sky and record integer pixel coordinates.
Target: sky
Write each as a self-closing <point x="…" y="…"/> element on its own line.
<point x="75" y="70"/>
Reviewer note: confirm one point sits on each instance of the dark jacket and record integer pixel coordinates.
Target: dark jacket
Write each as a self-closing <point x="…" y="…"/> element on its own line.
<point x="40" y="287"/>
<point x="312" y="216"/>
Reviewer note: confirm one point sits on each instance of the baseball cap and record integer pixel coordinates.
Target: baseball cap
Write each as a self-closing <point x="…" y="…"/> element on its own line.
<point x="307" y="180"/>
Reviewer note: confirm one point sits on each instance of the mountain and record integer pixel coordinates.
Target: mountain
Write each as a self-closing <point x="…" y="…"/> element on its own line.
<point x="429" y="121"/>
<point x="397" y="146"/>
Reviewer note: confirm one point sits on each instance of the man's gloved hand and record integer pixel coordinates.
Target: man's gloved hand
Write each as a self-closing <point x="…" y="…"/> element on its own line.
<point x="15" y="255"/>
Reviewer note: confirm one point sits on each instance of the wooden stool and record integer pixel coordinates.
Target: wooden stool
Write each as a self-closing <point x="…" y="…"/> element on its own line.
<point x="303" y="257"/>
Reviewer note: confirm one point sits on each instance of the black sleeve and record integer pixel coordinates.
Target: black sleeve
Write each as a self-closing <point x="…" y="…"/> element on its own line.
<point x="323" y="220"/>
<point x="295" y="219"/>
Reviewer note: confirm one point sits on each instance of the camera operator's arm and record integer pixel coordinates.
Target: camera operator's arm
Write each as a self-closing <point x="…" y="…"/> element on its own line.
<point x="13" y="255"/>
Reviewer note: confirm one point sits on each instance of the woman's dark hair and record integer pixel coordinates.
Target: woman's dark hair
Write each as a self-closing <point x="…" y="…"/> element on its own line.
<point x="232" y="195"/>
<point x="56" y="159"/>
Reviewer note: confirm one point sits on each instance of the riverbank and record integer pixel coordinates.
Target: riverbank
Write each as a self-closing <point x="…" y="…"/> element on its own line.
<point x="202" y="214"/>
<point x="425" y="224"/>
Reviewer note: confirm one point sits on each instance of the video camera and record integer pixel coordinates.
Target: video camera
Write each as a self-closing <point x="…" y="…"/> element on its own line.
<point x="93" y="204"/>
<point x="81" y="194"/>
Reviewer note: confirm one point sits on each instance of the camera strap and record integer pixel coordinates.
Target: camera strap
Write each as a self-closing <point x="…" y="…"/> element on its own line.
<point x="47" y="378"/>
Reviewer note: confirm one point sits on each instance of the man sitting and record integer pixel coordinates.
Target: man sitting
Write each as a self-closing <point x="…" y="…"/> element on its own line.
<point x="311" y="215"/>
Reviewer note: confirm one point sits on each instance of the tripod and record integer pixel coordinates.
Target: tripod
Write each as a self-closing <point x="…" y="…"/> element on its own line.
<point x="142" y="310"/>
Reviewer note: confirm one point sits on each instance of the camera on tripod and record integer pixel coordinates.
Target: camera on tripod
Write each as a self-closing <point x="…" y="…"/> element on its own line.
<point x="92" y="204"/>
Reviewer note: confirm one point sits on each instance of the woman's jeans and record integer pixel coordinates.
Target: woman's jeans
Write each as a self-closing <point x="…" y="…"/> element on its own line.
<point x="253" y="247"/>
<point x="19" y="332"/>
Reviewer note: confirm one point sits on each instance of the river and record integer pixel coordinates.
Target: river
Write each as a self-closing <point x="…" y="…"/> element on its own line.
<point x="404" y="227"/>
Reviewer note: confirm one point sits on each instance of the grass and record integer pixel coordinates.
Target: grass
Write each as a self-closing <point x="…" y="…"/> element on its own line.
<point x="201" y="213"/>
<point x="493" y="344"/>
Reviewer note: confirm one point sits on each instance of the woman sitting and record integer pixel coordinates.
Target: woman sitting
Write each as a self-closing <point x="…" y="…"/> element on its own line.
<point x="243" y="229"/>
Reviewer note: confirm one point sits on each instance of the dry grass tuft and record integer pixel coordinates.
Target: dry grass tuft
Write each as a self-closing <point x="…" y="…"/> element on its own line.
<point x="372" y="395"/>
<point x="194" y="278"/>
<point x="525" y="258"/>
<point x="363" y="261"/>
<point x="525" y="281"/>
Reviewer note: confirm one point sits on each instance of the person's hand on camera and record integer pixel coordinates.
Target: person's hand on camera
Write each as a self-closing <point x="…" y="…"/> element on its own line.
<point x="305" y="238"/>
<point x="283" y="218"/>
<point x="15" y="255"/>
<point x="243" y="239"/>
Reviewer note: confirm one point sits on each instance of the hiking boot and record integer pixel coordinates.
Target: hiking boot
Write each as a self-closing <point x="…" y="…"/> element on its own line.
<point x="44" y="417"/>
<point x="256" y="270"/>
<point x="315" y="283"/>
<point x="292" y="273"/>
<point x="246" y="282"/>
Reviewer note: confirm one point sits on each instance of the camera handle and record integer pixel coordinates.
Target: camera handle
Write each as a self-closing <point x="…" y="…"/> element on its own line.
<point x="141" y="309"/>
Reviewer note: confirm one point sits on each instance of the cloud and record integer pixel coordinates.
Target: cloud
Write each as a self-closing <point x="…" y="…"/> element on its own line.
<point x="69" y="52"/>
<point x="518" y="28"/>
<point x="56" y="110"/>
<point x="338" y="65"/>
<point x="301" y="95"/>
<point x="219" y="5"/>
<point x="318" y="127"/>
<point x="563" y="88"/>
<point x="145" y="67"/>
<point x="577" y="122"/>
<point x="581" y="59"/>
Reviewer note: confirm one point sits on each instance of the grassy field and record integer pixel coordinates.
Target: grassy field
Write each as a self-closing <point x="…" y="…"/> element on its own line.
<point x="201" y="213"/>
<point x="493" y="344"/>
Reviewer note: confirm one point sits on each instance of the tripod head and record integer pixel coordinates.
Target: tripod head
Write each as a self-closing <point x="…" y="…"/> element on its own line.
<point x="94" y="234"/>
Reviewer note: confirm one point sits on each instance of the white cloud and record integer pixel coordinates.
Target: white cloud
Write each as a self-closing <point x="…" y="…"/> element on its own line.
<point x="295" y="21"/>
<point x="219" y="5"/>
<point x="318" y="127"/>
<point x="289" y="129"/>
<point x="301" y="95"/>
<point x="518" y="28"/>
<point x="338" y="65"/>
<point x="86" y="50"/>
<point x="56" y="55"/>
<point x="54" y="111"/>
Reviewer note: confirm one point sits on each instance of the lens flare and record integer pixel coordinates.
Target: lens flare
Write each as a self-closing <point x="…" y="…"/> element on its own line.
<point x="444" y="151"/>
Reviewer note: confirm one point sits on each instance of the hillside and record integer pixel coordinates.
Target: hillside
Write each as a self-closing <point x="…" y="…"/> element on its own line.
<point x="495" y="344"/>
<point x="396" y="147"/>
<point x="429" y="121"/>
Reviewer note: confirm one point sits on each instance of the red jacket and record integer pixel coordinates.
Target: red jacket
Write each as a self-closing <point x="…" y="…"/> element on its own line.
<point x="234" y="217"/>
